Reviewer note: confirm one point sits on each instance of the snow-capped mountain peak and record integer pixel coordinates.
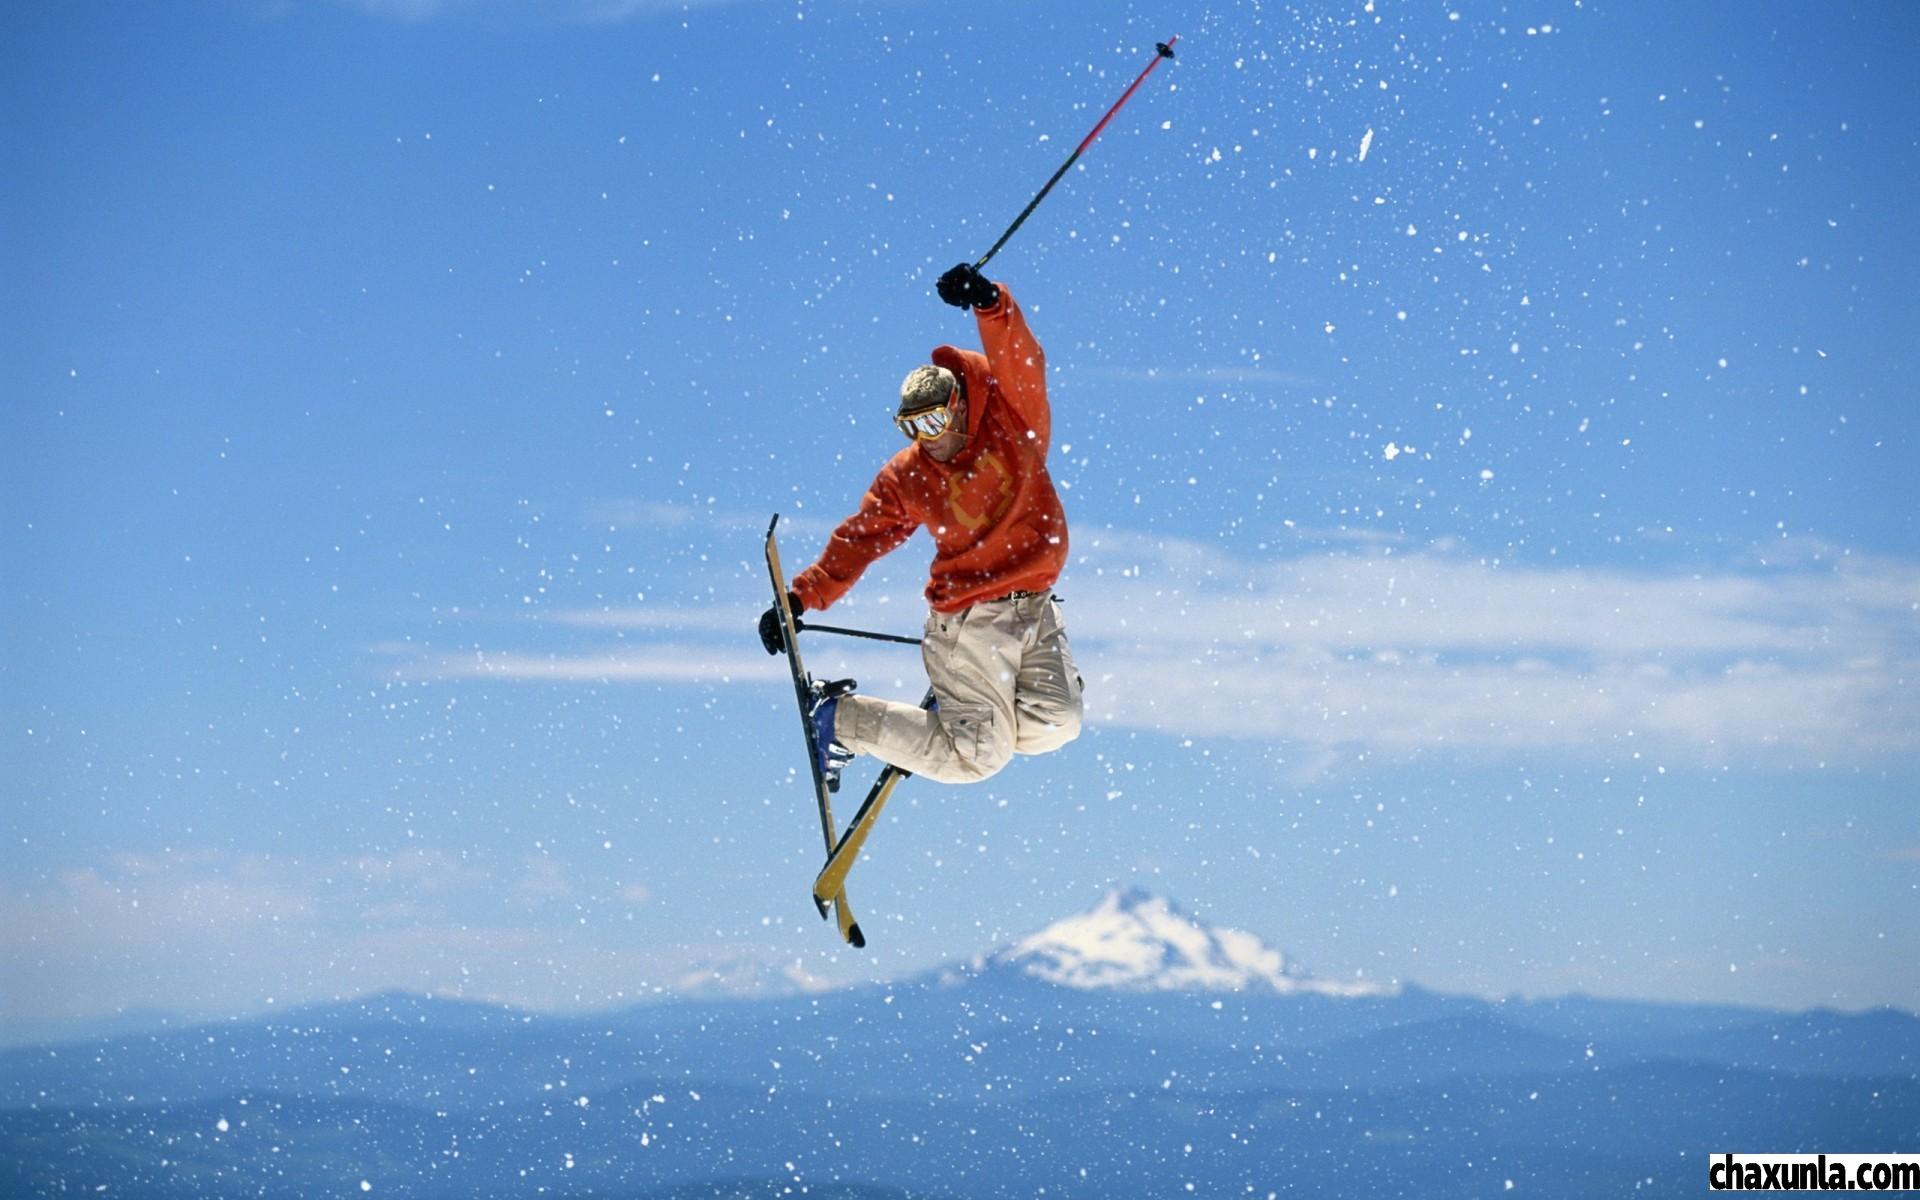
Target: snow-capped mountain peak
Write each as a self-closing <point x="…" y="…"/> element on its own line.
<point x="1133" y="940"/>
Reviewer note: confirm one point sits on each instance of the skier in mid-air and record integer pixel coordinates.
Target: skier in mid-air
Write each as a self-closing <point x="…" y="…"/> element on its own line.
<point x="975" y="475"/>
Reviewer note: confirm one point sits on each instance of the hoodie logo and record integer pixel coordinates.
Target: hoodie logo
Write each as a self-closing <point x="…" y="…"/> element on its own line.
<point x="983" y="495"/>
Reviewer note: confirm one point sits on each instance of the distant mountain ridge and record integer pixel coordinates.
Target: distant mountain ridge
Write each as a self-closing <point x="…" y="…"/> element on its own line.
<point x="1129" y="1050"/>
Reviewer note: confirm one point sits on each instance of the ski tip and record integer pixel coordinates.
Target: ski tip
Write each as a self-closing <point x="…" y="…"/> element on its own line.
<point x="772" y="523"/>
<point x="855" y="937"/>
<point x="822" y="906"/>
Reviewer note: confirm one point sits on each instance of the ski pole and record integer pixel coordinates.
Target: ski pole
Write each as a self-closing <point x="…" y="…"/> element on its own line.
<point x="1161" y="50"/>
<point x="801" y="626"/>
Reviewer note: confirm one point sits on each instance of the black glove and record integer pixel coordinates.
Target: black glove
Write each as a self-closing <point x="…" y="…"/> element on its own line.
<point x="770" y="630"/>
<point x="965" y="287"/>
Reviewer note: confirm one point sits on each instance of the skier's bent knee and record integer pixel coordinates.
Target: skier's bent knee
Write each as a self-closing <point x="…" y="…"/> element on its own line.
<point x="1047" y="728"/>
<point x="1068" y="727"/>
<point x="1066" y="730"/>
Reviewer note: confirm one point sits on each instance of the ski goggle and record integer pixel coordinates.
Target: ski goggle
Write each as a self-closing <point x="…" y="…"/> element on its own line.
<point x="928" y="424"/>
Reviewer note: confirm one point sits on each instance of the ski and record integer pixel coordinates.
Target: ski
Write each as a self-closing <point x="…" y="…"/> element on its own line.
<point x="833" y="877"/>
<point x="803" y="693"/>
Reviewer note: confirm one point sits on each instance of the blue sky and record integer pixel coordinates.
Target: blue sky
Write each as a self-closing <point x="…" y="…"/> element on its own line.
<point x="1485" y="431"/>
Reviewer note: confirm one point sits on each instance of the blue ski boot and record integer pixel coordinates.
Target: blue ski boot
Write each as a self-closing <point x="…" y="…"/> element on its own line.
<point x="833" y="755"/>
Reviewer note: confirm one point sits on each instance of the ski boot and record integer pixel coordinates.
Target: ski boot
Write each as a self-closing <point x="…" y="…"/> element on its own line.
<point x="826" y="702"/>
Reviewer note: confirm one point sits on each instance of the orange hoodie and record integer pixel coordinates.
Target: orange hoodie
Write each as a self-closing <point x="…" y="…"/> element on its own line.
<point x="996" y="521"/>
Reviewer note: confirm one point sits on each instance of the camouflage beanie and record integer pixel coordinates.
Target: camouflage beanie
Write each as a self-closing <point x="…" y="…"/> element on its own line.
<point x="924" y="388"/>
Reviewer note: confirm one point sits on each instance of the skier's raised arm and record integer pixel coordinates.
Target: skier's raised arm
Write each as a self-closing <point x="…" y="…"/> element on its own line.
<point x="1013" y="353"/>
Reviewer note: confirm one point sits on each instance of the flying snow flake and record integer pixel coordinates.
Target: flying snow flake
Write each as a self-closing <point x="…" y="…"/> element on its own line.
<point x="1486" y="473"/>
<point x="1391" y="452"/>
<point x="1366" y="144"/>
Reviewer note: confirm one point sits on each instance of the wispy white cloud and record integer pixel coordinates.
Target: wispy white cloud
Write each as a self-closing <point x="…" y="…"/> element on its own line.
<point x="651" y="618"/>
<point x="1395" y="652"/>
<point x="1238" y="375"/>
<point x="206" y="932"/>
<point x="701" y="520"/>
<point x="1435" y="601"/>
<point x="587" y="11"/>
<point x="627" y="513"/>
<point x="669" y="663"/>
<point x="1337" y="646"/>
<point x="407" y="10"/>
<point x="614" y="11"/>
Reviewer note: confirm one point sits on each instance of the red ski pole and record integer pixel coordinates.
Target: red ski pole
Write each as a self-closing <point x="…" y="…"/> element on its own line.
<point x="1161" y="50"/>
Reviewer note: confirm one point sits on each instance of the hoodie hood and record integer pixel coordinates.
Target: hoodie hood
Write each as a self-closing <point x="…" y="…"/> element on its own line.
<point x="970" y="367"/>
